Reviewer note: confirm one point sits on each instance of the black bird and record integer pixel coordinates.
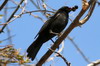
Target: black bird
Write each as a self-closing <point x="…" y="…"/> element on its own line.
<point x="53" y="26"/>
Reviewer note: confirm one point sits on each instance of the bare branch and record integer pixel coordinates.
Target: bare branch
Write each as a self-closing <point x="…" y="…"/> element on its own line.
<point x="84" y="4"/>
<point x="30" y="13"/>
<point x="39" y="11"/>
<point x="4" y="3"/>
<point x="86" y="18"/>
<point x="79" y="50"/>
<point x="44" y="12"/>
<point x="8" y="38"/>
<point x="95" y="63"/>
<point x="59" y="51"/>
<point x="1" y="30"/>
<point x="17" y="16"/>
<point x="59" y="55"/>
<point x="34" y="4"/>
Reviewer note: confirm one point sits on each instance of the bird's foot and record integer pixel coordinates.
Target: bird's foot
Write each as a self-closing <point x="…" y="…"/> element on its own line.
<point x="53" y="32"/>
<point x="60" y="34"/>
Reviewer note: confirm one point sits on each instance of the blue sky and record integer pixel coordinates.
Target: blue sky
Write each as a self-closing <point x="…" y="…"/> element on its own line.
<point x="87" y="37"/>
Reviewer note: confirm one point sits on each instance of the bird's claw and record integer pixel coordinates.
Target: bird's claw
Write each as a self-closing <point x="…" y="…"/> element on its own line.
<point x="53" y="32"/>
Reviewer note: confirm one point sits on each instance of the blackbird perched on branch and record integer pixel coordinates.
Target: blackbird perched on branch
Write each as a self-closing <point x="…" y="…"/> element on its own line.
<point x="53" y="26"/>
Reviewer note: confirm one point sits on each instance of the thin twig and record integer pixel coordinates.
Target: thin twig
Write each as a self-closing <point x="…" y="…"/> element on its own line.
<point x="7" y="28"/>
<point x="8" y="38"/>
<point x="79" y="50"/>
<point x="39" y="11"/>
<point x="30" y="13"/>
<point x="59" y="51"/>
<point x="59" y="55"/>
<point x="1" y="30"/>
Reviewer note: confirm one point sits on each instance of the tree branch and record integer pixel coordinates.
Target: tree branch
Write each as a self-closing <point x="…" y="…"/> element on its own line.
<point x="95" y="63"/>
<point x="59" y="55"/>
<point x="40" y="11"/>
<point x="79" y="50"/>
<point x="86" y="18"/>
<point x="4" y="3"/>
<point x="59" y="51"/>
<point x="84" y="4"/>
<point x="1" y="30"/>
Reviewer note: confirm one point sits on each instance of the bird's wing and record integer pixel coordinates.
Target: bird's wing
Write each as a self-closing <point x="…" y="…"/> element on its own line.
<point x="48" y="22"/>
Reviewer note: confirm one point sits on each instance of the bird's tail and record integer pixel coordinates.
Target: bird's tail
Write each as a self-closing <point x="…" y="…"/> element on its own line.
<point x="33" y="49"/>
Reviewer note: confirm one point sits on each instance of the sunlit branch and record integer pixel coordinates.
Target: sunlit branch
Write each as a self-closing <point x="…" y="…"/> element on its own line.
<point x="86" y="18"/>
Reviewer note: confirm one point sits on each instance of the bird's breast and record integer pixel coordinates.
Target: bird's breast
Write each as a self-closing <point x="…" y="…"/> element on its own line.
<point x="59" y="24"/>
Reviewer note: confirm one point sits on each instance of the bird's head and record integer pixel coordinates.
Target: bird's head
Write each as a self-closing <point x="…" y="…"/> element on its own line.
<point x="68" y="9"/>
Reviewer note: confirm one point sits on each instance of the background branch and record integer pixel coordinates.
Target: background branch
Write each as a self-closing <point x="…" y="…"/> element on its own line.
<point x="1" y="30"/>
<point x="4" y="3"/>
<point x="79" y="50"/>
